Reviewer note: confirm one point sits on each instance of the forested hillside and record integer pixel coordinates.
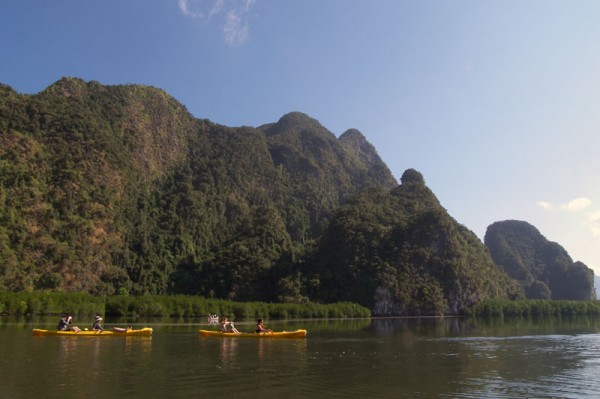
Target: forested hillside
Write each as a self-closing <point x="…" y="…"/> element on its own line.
<point x="119" y="189"/>
<point x="543" y="268"/>
<point x="398" y="252"/>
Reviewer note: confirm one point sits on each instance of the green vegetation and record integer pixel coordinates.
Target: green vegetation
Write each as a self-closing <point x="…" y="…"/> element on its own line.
<point x="403" y="247"/>
<point x="503" y="307"/>
<point x="119" y="190"/>
<point x="543" y="268"/>
<point x="188" y="306"/>
<point x="40" y="303"/>
<point x="120" y="193"/>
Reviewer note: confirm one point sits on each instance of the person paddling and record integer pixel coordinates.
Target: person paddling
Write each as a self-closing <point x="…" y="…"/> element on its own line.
<point x="98" y="327"/>
<point x="260" y="327"/>
<point x="227" y="326"/>
<point x="64" y="324"/>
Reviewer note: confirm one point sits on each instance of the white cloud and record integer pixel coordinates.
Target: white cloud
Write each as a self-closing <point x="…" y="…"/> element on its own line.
<point x="593" y="222"/>
<point x="544" y="204"/>
<point x="191" y="8"/>
<point x="577" y="204"/>
<point x="232" y="15"/>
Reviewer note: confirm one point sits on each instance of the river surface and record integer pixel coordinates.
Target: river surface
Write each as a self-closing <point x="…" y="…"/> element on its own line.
<point x="358" y="358"/>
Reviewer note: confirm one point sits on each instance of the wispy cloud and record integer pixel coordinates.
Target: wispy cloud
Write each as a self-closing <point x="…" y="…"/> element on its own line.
<point x="185" y="7"/>
<point x="544" y="204"/>
<point x="231" y="15"/>
<point x="590" y="219"/>
<point x="575" y="205"/>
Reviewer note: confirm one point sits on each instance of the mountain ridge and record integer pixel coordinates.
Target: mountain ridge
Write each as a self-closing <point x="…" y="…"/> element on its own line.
<point x="119" y="189"/>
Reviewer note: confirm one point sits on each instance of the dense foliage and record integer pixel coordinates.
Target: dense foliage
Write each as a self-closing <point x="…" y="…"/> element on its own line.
<point x="119" y="190"/>
<point x="81" y="304"/>
<point x="400" y="253"/>
<point x="543" y="268"/>
<point x="533" y="307"/>
<point x="44" y="302"/>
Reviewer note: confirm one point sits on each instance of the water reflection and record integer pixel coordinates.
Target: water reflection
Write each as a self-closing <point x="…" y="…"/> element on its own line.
<point x="541" y="325"/>
<point x="262" y="348"/>
<point x="340" y="325"/>
<point x="269" y="348"/>
<point x="520" y="365"/>
<point x="260" y="353"/>
<point x="386" y="358"/>
<point x="228" y="352"/>
<point x="422" y="327"/>
<point x="66" y="356"/>
<point x="138" y="346"/>
<point x="91" y="359"/>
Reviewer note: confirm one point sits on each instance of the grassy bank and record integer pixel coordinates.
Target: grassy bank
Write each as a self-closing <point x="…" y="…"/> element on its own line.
<point x="500" y="308"/>
<point x="50" y="303"/>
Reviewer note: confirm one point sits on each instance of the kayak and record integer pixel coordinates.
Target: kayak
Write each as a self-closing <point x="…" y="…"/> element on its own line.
<point x="90" y="333"/>
<point x="275" y="334"/>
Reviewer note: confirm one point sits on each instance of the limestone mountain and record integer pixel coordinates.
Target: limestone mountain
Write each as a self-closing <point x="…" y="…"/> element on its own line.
<point x="120" y="189"/>
<point x="398" y="252"/>
<point x="543" y="268"/>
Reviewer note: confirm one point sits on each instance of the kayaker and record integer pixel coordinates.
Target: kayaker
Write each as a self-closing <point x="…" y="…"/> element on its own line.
<point x="63" y="324"/>
<point x="260" y="327"/>
<point x="227" y="326"/>
<point x="98" y="327"/>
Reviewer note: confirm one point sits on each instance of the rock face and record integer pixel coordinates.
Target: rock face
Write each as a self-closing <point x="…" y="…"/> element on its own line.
<point x="543" y="268"/>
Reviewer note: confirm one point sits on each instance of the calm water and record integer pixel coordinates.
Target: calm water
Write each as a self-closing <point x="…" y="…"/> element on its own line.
<point x="381" y="358"/>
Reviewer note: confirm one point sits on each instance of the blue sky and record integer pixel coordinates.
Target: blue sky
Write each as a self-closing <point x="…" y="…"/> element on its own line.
<point x="495" y="102"/>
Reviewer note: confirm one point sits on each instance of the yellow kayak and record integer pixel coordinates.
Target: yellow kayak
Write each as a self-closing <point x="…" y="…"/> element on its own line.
<point x="87" y="333"/>
<point x="275" y="334"/>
